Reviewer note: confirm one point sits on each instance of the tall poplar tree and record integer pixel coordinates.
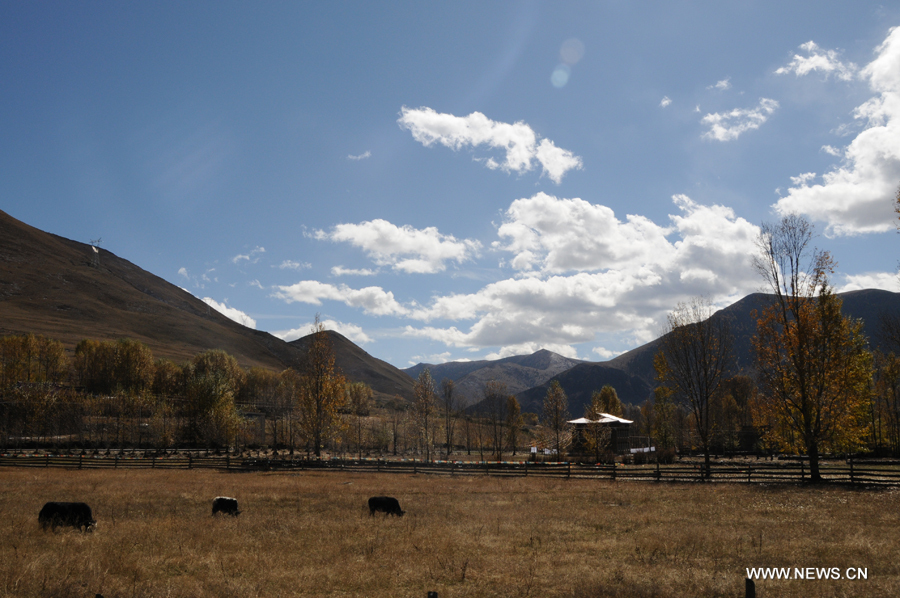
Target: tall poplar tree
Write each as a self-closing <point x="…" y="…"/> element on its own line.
<point x="321" y="391"/>
<point x="556" y="413"/>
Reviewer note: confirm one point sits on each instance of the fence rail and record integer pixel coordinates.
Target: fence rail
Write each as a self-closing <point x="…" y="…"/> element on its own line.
<point x="870" y="474"/>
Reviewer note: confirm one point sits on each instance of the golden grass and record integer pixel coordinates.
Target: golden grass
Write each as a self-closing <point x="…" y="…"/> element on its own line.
<point x="310" y="534"/>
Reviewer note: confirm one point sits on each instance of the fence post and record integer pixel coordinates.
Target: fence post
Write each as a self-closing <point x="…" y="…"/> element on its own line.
<point x="80" y="459"/>
<point x="658" y="474"/>
<point x="526" y="468"/>
<point x="749" y="588"/>
<point x="190" y="461"/>
<point x="802" y="472"/>
<point x="851" y="470"/>
<point x="748" y="473"/>
<point x="153" y="462"/>
<point x="116" y="462"/>
<point x="569" y="471"/>
<point x="47" y="460"/>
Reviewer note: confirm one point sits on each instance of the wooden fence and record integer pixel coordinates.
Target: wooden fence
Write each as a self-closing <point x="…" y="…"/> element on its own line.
<point x="762" y="472"/>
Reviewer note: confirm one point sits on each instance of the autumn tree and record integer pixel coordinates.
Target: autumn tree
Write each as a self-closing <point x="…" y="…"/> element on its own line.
<point x="607" y="401"/>
<point x="31" y="359"/>
<point x="359" y="401"/>
<point x="555" y="414"/>
<point x="514" y="422"/>
<point x="213" y="379"/>
<point x="886" y="408"/>
<point x="321" y="390"/>
<point x="260" y="393"/>
<point x="449" y="407"/>
<point x="693" y="359"/>
<point x="813" y="363"/>
<point x="494" y="407"/>
<point x="423" y="410"/>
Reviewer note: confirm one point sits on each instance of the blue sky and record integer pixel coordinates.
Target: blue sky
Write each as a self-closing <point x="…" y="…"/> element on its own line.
<point x="459" y="180"/>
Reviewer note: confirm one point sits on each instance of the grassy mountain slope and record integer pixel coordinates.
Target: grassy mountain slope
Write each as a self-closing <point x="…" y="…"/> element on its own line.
<point x="51" y="286"/>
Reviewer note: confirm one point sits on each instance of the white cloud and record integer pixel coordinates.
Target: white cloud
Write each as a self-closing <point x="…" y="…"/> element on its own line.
<point x="832" y="151"/>
<point x="665" y="101"/>
<point x="403" y="248"/>
<point x="887" y="281"/>
<point x="605" y="354"/>
<point x="251" y="257"/>
<point x="230" y="312"/>
<point x="291" y="265"/>
<point x="351" y="331"/>
<point x="589" y="272"/>
<point x="372" y="300"/>
<point x="183" y="272"/>
<point x="518" y="140"/>
<point x="342" y="271"/>
<point x="558" y="235"/>
<point x="824" y="61"/>
<point x="723" y="85"/>
<point x="577" y="270"/>
<point x="857" y="196"/>
<point x="362" y="156"/>
<point x="433" y="359"/>
<point x="730" y="125"/>
<point x="803" y="178"/>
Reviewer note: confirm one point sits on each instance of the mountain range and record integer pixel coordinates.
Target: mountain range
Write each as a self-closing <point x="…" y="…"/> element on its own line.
<point x="70" y="291"/>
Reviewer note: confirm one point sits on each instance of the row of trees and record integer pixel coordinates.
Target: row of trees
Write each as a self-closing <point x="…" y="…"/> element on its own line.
<point x="115" y="393"/>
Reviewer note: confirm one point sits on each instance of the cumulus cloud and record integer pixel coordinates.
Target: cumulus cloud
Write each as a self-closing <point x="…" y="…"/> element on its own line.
<point x="818" y="60"/>
<point x="251" y="257"/>
<point x="372" y="300"/>
<point x="730" y="125"/>
<point x="887" y="281"/>
<point x="183" y="272"/>
<point x="518" y="140"/>
<point x="605" y="354"/>
<point x="363" y="156"/>
<point x="576" y="269"/>
<point x="856" y="196"/>
<point x="351" y="331"/>
<point x="665" y="101"/>
<point x="230" y="312"/>
<point x="588" y="272"/>
<point x="403" y="248"/>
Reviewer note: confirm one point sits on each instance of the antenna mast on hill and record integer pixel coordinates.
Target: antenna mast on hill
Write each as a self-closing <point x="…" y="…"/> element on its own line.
<point x="95" y="256"/>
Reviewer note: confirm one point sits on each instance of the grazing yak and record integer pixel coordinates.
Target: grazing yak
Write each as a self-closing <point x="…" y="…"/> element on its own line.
<point x="74" y="514"/>
<point x="385" y="504"/>
<point x="225" y="504"/>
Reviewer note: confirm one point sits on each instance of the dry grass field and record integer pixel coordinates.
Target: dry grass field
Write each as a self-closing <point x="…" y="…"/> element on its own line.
<point x="310" y="534"/>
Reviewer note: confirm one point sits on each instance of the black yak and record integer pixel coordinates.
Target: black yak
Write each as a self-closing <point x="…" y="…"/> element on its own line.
<point x="74" y="514"/>
<point x="225" y="504"/>
<point x="385" y="504"/>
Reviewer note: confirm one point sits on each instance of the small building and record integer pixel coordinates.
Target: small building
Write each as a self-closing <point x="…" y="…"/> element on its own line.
<point x="619" y="433"/>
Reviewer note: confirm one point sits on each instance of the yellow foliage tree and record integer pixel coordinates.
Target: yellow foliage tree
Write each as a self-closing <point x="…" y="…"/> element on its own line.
<point x="814" y="366"/>
<point x="321" y="391"/>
